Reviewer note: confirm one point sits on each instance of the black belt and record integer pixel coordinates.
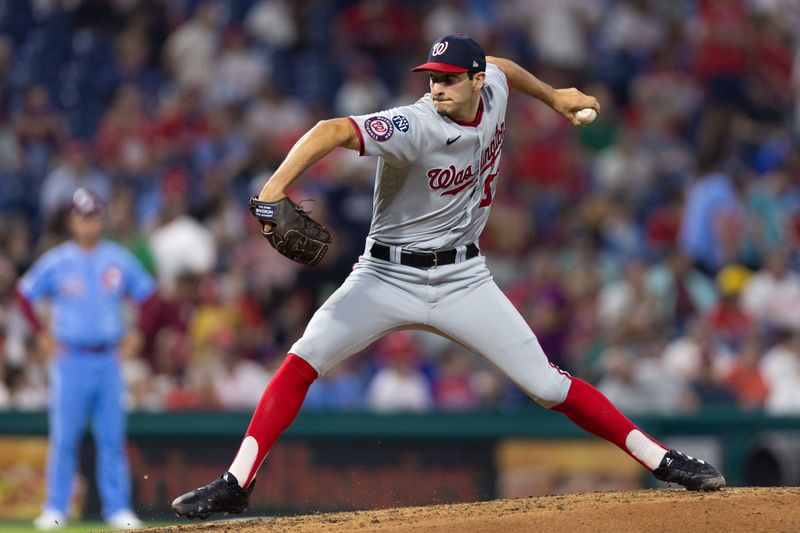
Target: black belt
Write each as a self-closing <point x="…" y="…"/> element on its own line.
<point x="423" y="259"/>
<point x="93" y="348"/>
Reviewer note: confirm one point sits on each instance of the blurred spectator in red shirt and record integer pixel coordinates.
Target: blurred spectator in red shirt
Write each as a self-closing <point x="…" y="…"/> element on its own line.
<point x="727" y="319"/>
<point x="663" y="224"/>
<point x="454" y="386"/>
<point x="744" y="378"/>
<point x="125" y="137"/>
<point x="724" y="37"/>
<point x="378" y="27"/>
<point x="180" y="122"/>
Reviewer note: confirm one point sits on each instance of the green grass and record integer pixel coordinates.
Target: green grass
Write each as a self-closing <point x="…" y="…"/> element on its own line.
<point x="18" y="526"/>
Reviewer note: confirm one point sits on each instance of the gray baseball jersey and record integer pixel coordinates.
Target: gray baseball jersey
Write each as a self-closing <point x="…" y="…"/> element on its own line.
<point x="435" y="177"/>
<point x="434" y="186"/>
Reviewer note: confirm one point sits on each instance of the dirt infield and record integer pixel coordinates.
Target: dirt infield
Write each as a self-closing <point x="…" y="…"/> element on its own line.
<point x="670" y="510"/>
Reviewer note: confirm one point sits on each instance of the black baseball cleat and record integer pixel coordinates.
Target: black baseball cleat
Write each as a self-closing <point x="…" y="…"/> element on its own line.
<point x="694" y="474"/>
<point x="223" y="495"/>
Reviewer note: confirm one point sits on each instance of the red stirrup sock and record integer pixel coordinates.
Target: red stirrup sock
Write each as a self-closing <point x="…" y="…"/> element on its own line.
<point x="588" y="408"/>
<point x="276" y="410"/>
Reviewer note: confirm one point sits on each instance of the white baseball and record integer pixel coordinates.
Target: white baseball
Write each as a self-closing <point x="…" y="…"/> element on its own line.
<point x="586" y="116"/>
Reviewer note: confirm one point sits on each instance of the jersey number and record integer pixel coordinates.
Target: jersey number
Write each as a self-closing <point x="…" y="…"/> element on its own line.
<point x="487" y="190"/>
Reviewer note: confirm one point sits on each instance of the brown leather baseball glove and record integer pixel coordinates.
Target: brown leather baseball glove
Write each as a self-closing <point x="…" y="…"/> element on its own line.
<point x="290" y="230"/>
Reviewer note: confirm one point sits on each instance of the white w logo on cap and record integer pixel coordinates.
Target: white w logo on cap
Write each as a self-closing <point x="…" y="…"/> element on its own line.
<point x="439" y="48"/>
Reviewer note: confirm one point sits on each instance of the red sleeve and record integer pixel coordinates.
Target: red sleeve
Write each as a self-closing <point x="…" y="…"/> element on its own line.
<point x="26" y="308"/>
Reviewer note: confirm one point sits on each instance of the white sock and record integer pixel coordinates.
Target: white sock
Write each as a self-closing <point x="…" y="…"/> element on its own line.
<point x="244" y="461"/>
<point x="645" y="449"/>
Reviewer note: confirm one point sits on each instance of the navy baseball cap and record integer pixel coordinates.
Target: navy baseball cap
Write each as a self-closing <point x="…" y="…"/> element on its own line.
<point x="86" y="202"/>
<point x="455" y="53"/>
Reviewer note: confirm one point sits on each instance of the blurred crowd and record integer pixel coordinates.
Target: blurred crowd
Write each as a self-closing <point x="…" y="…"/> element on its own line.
<point x="653" y="252"/>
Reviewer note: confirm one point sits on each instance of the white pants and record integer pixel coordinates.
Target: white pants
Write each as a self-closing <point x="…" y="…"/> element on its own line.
<point x="460" y="302"/>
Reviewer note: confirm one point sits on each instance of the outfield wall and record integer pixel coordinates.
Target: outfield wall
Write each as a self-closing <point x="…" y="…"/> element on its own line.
<point x="337" y="461"/>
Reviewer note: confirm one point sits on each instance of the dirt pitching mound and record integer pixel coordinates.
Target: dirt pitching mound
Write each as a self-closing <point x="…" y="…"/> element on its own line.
<point x="735" y="509"/>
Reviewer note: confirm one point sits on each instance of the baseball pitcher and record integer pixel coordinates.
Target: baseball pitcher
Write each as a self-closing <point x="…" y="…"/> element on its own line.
<point x="437" y="169"/>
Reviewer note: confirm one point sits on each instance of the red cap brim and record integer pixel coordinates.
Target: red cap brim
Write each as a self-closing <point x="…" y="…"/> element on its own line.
<point x="439" y="67"/>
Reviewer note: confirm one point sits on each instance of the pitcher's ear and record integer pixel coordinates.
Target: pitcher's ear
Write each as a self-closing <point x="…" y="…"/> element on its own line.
<point x="478" y="79"/>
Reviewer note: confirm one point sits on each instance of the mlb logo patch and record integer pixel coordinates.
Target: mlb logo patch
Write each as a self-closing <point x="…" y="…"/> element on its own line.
<point x="379" y="128"/>
<point x="401" y="123"/>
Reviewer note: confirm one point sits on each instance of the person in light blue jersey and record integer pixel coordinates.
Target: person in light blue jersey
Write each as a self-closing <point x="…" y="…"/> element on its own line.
<point x="85" y="283"/>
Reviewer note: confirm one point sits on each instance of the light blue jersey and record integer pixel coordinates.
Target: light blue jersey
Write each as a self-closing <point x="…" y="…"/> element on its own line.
<point x="86" y="289"/>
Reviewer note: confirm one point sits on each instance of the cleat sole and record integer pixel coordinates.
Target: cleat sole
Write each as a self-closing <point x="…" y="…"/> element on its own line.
<point x="708" y="485"/>
<point x="713" y="484"/>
